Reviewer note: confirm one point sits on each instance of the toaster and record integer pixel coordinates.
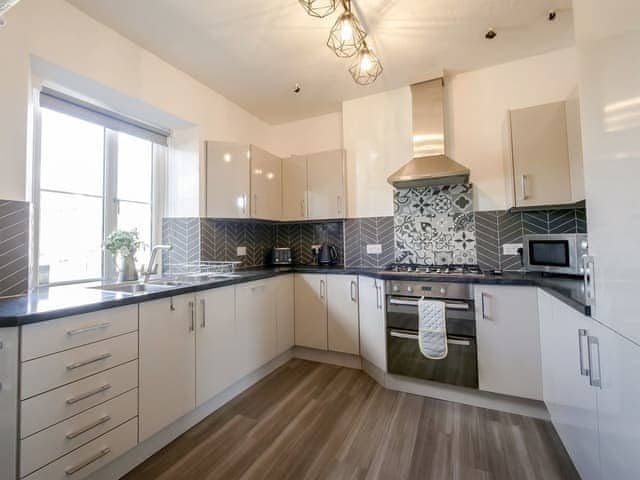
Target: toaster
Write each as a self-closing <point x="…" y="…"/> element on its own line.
<point x="281" y="256"/>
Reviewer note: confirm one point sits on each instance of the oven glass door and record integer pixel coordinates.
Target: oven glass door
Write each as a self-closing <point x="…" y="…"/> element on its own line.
<point x="550" y="253"/>
<point x="402" y="313"/>
<point x="460" y="367"/>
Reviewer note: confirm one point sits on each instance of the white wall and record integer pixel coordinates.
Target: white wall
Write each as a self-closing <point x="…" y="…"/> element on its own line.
<point x="317" y="134"/>
<point x="58" y="33"/>
<point x="378" y="140"/>
<point x="477" y="105"/>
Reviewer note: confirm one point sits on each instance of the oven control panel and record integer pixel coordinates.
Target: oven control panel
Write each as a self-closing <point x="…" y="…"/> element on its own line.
<point x="463" y="291"/>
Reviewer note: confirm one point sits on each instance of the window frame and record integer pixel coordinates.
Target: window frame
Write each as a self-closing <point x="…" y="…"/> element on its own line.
<point x="110" y="201"/>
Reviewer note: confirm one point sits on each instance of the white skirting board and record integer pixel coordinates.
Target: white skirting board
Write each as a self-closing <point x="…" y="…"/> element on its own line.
<point x="451" y="393"/>
<point x="120" y="466"/>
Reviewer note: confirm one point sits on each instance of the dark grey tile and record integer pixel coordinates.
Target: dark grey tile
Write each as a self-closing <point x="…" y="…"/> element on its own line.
<point x="14" y="248"/>
<point x="487" y="241"/>
<point x="562" y="221"/>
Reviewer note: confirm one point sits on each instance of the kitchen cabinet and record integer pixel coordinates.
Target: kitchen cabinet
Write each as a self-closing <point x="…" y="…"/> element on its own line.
<point x="311" y="311"/>
<point x="571" y="401"/>
<point x="228" y="180"/>
<point x="615" y="362"/>
<point x="256" y="334"/>
<point x="167" y="362"/>
<point x="508" y="335"/>
<point x="215" y="342"/>
<point x="541" y="163"/>
<point x="266" y="185"/>
<point x="326" y="185"/>
<point x="342" y="314"/>
<point x="372" y="321"/>
<point x="285" y="313"/>
<point x="294" y="188"/>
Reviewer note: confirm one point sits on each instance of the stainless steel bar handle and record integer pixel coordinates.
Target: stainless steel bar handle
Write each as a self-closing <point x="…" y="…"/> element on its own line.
<point x="302" y="212"/>
<point x="92" y="328"/>
<point x="339" y="204"/>
<point x="378" y="301"/>
<point x="255" y="203"/>
<point x="192" y="323"/>
<point x="322" y="289"/>
<point x="449" y="305"/>
<point x="203" y="304"/>
<point x="91" y="426"/>
<point x="595" y="376"/>
<point x="582" y="333"/>
<point x="462" y="343"/>
<point x="85" y="463"/>
<point x="90" y="393"/>
<point x="354" y="297"/>
<point x="258" y="287"/>
<point x="588" y="266"/>
<point x="413" y="336"/>
<point x="483" y="303"/>
<point x="525" y="196"/>
<point x="84" y="363"/>
<point x="244" y="203"/>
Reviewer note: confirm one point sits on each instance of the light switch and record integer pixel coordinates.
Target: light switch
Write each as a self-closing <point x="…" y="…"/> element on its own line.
<point x="511" y="248"/>
<point x="241" y="251"/>
<point x="374" y="249"/>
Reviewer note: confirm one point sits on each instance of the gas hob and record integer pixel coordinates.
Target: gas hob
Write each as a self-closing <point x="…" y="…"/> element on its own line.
<point x="434" y="270"/>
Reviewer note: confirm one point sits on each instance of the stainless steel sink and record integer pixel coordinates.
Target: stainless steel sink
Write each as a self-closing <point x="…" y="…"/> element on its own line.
<point x="136" y="288"/>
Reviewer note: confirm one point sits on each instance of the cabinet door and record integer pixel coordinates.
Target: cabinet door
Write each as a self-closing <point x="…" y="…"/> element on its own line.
<point x="256" y="316"/>
<point x="342" y="317"/>
<point x="215" y="342"/>
<point x="266" y="185"/>
<point x="311" y="310"/>
<point x="325" y="173"/>
<point x="167" y="362"/>
<point x="570" y="399"/>
<point x="508" y="335"/>
<point x="541" y="164"/>
<point x="616" y="361"/>
<point x="285" y="312"/>
<point x="294" y="188"/>
<point x="228" y="181"/>
<point x="373" y="335"/>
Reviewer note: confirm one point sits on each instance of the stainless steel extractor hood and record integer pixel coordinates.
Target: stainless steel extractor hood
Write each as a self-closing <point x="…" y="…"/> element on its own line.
<point x="430" y="166"/>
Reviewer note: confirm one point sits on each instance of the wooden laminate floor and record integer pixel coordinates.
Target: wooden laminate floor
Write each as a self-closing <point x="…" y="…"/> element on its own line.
<point x="309" y="420"/>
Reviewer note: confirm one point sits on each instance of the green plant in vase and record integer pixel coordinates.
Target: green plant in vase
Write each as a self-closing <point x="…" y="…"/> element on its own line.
<point x="124" y="244"/>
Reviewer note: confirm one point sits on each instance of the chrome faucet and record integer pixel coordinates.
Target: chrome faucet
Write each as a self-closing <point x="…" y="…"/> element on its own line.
<point x="152" y="261"/>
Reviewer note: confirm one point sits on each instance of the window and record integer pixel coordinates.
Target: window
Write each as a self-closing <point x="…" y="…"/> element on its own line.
<point x="92" y="180"/>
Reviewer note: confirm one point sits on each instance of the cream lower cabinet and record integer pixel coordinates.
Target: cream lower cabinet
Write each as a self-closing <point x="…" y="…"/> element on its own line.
<point x="167" y="362"/>
<point x="326" y="312"/>
<point x="285" y="312"/>
<point x="373" y="333"/>
<point x="508" y="336"/>
<point x="215" y="342"/>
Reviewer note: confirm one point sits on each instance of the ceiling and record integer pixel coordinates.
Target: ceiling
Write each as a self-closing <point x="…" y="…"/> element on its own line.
<point x="255" y="51"/>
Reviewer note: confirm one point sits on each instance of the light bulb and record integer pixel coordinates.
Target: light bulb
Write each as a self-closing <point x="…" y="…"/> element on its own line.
<point x="366" y="63"/>
<point x="346" y="31"/>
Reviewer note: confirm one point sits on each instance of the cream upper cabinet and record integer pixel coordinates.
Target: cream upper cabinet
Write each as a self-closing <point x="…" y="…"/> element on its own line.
<point x="215" y="342"/>
<point x="508" y="335"/>
<point x="342" y="318"/>
<point x="294" y="188"/>
<point x="167" y="361"/>
<point x="541" y="162"/>
<point x="266" y="185"/>
<point x="311" y="310"/>
<point x="228" y="181"/>
<point x="326" y="185"/>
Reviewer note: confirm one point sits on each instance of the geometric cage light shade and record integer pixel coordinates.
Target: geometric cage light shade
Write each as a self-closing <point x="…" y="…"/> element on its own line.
<point x="319" y="8"/>
<point x="367" y="67"/>
<point x="347" y="36"/>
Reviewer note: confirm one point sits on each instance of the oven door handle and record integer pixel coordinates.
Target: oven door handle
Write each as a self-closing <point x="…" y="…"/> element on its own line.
<point x="413" y="336"/>
<point x="449" y="305"/>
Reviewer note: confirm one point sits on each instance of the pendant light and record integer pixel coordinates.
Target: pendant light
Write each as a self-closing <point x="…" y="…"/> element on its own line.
<point x="367" y="67"/>
<point x="347" y="36"/>
<point x="319" y="8"/>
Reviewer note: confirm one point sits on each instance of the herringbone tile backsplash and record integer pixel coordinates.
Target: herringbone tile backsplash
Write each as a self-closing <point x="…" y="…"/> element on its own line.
<point x="14" y="248"/>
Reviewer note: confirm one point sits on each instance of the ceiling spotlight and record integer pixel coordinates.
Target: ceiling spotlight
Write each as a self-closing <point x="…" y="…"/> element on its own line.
<point x="552" y="15"/>
<point x="319" y="8"/>
<point x="367" y="67"/>
<point x="347" y="35"/>
<point x="491" y="34"/>
<point x="297" y="89"/>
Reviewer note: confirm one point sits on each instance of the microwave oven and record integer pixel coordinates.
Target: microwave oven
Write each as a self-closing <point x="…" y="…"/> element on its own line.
<point x="555" y="253"/>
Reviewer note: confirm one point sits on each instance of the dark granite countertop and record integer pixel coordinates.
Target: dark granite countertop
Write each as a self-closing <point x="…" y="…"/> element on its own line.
<point x="57" y="302"/>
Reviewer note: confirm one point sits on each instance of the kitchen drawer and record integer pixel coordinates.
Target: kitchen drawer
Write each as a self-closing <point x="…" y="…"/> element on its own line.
<point x="94" y="455"/>
<point x="45" y="338"/>
<point x="46" y="373"/>
<point x="44" y="447"/>
<point x="42" y="411"/>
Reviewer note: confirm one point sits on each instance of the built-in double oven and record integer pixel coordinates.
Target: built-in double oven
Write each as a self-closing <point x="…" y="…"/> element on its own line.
<point x="404" y="357"/>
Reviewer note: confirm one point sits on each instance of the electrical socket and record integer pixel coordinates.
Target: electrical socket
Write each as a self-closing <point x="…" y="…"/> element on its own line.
<point x="511" y="248"/>
<point x="241" y="251"/>
<point x="374" y="249"/>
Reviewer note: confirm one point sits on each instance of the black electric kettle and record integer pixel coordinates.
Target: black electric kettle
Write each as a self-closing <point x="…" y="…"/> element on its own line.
<point x="328" y="254"/>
